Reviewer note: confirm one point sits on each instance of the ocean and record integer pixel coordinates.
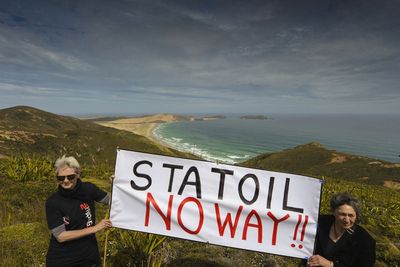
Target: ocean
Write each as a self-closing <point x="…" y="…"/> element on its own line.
<point x="233" y="140"/>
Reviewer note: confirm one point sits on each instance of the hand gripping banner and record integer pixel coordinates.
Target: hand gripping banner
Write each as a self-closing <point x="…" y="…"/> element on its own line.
<point x="220" y="204"/>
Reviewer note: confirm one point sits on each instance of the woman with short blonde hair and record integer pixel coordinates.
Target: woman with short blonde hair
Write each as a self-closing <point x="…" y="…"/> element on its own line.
<point x="71" y="217"/>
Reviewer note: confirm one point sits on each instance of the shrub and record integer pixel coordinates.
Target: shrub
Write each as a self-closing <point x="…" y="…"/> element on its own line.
<point x="28" y="168"/>
<point x="130" y="248"/>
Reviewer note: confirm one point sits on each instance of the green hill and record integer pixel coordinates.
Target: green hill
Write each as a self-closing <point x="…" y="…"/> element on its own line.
<point x="30" y="130"/>
<point x="315" y="160"/>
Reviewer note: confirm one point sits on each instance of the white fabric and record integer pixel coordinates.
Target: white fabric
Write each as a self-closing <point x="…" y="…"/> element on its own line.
<point x="139" y="205"/>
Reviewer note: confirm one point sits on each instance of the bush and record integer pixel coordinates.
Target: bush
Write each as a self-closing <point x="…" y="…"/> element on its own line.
<point x="130" y="248"/>
<point x="28" y="168"/>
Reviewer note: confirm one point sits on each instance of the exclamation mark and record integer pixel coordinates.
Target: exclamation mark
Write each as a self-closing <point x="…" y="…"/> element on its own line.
<point x="303" y="230"/>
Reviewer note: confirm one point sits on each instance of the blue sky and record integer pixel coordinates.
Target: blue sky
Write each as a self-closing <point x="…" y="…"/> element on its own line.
<point x="114" y="56"/>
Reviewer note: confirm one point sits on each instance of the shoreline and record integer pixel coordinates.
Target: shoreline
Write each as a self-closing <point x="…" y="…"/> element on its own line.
<point x="143" y="126"/>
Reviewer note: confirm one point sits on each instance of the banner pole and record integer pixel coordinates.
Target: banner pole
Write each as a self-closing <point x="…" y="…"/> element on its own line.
<point x="105" y="245"/>
<point x="107" y="217"/>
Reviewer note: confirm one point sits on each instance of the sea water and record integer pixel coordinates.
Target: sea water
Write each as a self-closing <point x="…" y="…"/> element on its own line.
<point x="233" y="140"/>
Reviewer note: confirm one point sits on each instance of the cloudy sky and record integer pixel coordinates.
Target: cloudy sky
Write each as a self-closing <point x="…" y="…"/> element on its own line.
<point x="127" y="56"/>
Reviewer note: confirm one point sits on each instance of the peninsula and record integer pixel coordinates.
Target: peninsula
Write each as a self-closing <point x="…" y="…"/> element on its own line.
<point x="144" y="125"/>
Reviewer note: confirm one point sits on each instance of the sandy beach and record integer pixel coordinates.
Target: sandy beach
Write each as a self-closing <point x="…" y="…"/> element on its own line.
<point x="143" y="125"/>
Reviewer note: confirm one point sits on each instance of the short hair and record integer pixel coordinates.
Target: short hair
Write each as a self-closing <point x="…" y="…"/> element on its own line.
<point x="345" y="198"/>
<point x="65" y="161"/>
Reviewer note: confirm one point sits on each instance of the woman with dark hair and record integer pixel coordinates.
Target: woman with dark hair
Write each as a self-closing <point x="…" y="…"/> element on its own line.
<point x="71" y="218"/>
<point x="340" y="241"/>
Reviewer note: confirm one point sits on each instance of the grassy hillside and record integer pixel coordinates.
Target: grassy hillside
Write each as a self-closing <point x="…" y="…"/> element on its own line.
<point x="31" y="139"/>
<point x="315" y="160"/>
<point x="22" y="223"/>
<point x="30" y="130"/>
<point x="24" y="235"/>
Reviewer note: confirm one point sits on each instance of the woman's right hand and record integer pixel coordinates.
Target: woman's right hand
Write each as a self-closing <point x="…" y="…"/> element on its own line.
<point x="317" y="260"/>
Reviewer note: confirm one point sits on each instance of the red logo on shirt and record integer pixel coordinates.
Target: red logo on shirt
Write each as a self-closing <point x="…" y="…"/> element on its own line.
<point x="84" y="206"/>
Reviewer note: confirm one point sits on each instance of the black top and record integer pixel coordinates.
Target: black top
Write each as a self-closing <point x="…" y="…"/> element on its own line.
<point x="351" y="250"/>
<point x="75" y="209"/>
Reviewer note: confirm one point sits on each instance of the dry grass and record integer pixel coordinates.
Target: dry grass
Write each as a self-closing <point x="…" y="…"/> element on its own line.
<point x="338" y="159"/>
<point x="391" y="184"/>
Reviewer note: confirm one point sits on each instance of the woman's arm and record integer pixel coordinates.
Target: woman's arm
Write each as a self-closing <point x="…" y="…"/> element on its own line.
<point x="363" y="256"/>
<point x="106" y="199"/>
<point x="76" y="234"/>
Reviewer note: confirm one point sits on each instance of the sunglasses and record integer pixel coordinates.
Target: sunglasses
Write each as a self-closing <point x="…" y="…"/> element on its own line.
<point x="69" y="177"/>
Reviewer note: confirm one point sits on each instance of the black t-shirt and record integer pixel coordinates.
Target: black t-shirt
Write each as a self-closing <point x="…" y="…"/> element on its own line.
<point x="75" y="209"/>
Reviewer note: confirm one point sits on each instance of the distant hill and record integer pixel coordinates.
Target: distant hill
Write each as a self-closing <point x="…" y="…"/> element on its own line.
<point x="254" y="117"/>
<point x="30" y="130"/>
<point x="315" y="160"/>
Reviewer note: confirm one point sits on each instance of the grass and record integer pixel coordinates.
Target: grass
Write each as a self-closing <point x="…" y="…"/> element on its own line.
<point x="29" y="137"/>
<point x="23" y="244"/>
<point x="22" y="223"/>
<point x="28" y="168"/>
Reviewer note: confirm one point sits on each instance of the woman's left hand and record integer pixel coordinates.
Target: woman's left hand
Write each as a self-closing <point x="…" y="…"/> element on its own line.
<point x="317" y="260"/>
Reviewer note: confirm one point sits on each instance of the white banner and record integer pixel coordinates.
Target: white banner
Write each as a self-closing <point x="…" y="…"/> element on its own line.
<point x="221" y="204"/>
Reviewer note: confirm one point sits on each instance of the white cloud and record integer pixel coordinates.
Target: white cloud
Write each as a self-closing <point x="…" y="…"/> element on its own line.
<point x="23" y="49"/>
<point x="23" y="90"/>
